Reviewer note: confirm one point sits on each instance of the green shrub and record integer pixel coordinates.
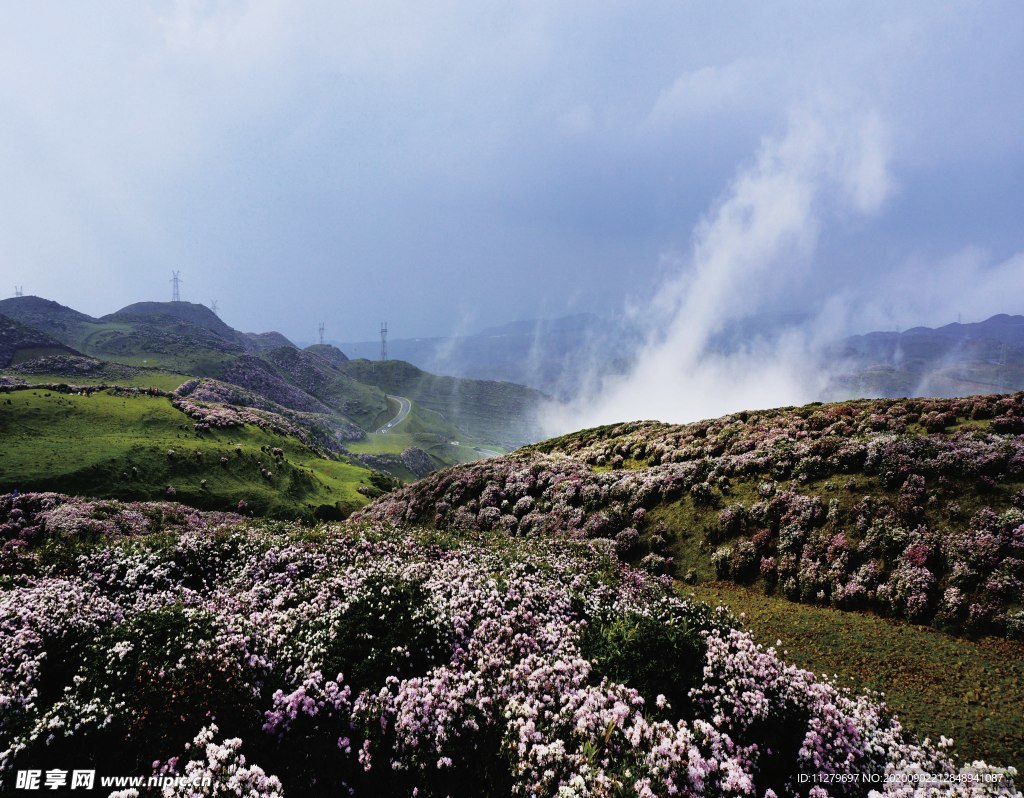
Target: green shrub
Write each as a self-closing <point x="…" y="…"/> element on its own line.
<point x="388" y="630"/>
<point x="654" y="655"/>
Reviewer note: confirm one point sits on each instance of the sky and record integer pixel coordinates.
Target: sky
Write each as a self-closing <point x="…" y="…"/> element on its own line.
<point x="451" y="166"/>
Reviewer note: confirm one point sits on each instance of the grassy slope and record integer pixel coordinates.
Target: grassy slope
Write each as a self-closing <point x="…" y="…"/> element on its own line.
<point x="499" y="414"/>
<point x="970" y="690"/>
<point x="91" y="446"/>
<point x="143" y="378"/>
<point x="422" y="429"/>
<point x="687" y="521"/>
<point x="361" y="403"/>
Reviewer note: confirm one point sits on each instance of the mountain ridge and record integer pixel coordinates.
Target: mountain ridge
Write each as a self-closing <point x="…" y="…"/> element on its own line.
<point x="314" y="383"/>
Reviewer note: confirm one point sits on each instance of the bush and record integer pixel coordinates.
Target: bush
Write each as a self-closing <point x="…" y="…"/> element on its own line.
<point x="387" y="630"/>
<point x="144" y="675"/>
<point x="654" y="655"/>
<point x="743" y="562"/>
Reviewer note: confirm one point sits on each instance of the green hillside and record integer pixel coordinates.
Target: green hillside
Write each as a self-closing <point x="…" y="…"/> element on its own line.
<point x="181" y="336"/>
<point x="938" y="684"/>
<point x="19" y="343"/>
<point x="502" y="414"/>
<point x="330" y="403"/>
<point x="849" y="531"/>
<point x="117" y="444"/>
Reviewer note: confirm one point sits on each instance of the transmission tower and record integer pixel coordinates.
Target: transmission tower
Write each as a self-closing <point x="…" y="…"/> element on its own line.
<point x="19" y="290"/>
<point x="383" y="340"/>
<point x="176" y="280"/>
<point x="213" y="307"/>
<point x="321" y="329"/>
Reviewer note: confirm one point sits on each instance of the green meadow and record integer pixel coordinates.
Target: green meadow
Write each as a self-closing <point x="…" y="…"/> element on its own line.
<point x="938" y="684"/>
<point x="141" y="447"/>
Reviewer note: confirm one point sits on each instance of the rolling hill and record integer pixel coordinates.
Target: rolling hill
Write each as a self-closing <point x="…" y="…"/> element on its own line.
<point x="337" y="403"/>
<point x="502" y="414"/>
<point x="147" y="445"/>
<point x="894" y="520"/>
<point x="19" y="343"/>
<point x="899" y="492"/>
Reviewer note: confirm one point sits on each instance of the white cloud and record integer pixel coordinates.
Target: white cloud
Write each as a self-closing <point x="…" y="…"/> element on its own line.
<point x="711" y="91"/>
<point x="746" y="251"/>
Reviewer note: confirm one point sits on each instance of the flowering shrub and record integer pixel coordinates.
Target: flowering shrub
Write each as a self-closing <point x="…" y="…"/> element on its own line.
<point x="215" y="404"/>
<point x="383" y="661"/>
<point x="894" y="549"/>
<point x="29" y="519"/>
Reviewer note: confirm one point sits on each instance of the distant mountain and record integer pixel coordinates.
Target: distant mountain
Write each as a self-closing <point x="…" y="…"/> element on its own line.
<point x="567" y="357"/>
<point x="503" y="412"/>
<point x="327" y="352"/>
<point x="953" y="360"/>
<point x="268" y="340"/>
<point x="564" y="325"/>
<point x="52" y="318"/>
<point x="145" y="331"/>
<point x="337" y="400"/>
<point x="555" y="356"/>
<point x="162" y="312"/>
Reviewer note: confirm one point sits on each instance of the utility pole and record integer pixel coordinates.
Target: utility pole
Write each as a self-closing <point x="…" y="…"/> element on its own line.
<point x="383" y="340"/>
<point x="321" y="333"/>
<point x="176" y="280"/>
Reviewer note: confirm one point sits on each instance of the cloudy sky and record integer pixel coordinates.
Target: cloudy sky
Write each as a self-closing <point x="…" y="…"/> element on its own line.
<point x="452" y="165"/>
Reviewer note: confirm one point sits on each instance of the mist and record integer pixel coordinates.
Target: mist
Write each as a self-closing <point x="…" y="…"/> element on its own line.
<point x="750" y="250"/>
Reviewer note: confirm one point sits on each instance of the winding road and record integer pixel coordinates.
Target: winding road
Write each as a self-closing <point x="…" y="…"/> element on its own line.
<point x="404" y="406"/>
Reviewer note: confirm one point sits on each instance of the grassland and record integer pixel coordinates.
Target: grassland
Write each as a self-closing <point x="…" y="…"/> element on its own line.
<point x="499" y="415"/>
<point x="423" y="429"/>
<point x="970" y="690"/>
<point x="143" y="378"/>
<point x="136" y="447"/>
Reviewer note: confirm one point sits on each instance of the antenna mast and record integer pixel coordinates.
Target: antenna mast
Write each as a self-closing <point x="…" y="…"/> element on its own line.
<point x="383" y="340"/>
<point x="176" y="280"/>
<point x="321" y="333"/>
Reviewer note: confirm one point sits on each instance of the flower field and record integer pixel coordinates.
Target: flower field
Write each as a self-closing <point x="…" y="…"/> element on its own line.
<point x="912" y="509"/>
<point x="370" y="659"/>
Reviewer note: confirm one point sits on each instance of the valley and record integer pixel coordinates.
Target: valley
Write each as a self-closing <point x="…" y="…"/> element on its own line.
<point x="321" y="403"/>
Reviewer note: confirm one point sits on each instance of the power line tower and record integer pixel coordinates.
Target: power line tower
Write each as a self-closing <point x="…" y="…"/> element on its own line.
<point x="19" y="290"/>
<point x="176" y="280"/>
<point x="213" y="307"/>
<point x="321" y="330"/>
<point x="383" y="340"/>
